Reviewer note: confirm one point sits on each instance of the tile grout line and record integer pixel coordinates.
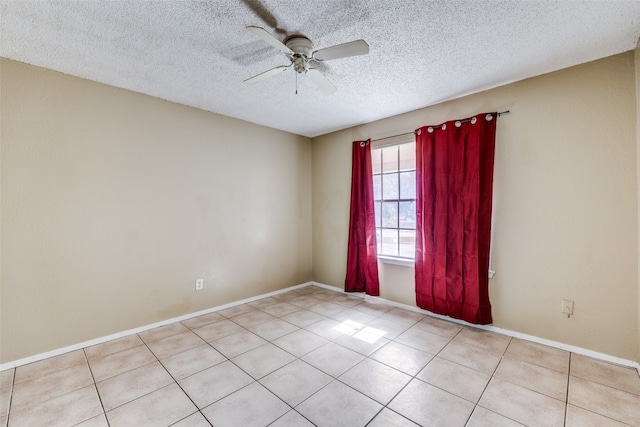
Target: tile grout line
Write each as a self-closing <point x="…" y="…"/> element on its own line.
<point x="566" y="405"/>
<point x="130" y="370"/>
<point x="589" y="380"/>
<point x="303" y="361"/>
<point x="291" y="408"/>
<point x="487" y="385"/>
<point x="475" y="405"/>
<point x="413" y="377"/>
<point x="172" y="377"/>
<point x="239" y="367"/>
<point x="95" y="385"/>
<point x="13" y="382"/>
<point x="86" y="361"/>
<point x="502" y="357"/>
<point x="231" y="361"/>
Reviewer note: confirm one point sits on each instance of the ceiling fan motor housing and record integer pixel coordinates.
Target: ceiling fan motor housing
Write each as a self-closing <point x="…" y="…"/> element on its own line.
<point x="301" y="47"/>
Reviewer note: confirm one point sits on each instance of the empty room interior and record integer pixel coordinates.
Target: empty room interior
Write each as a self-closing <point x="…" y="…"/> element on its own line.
<point x="176" y="211"/>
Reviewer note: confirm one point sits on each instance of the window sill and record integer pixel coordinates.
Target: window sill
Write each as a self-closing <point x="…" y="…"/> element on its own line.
<point x="411" y="263"/>
<point x="396" y="261"/>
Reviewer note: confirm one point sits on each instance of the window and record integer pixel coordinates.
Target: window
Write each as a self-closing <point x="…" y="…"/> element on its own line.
<point x="394" y="191"/>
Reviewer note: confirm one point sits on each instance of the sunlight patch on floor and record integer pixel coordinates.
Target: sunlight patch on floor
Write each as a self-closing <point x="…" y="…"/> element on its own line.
<point x="360" y="331"/>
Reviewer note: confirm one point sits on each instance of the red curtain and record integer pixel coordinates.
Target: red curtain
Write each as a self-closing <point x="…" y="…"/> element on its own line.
<point x="362" y="257"/>
<point x="454" y="170"/>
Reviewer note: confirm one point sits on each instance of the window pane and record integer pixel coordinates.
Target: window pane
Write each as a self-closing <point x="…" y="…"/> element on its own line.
<point x="376" y="160"/>
<point x="390" y="186"/>
<point x="390" y="214"/>
<point x="390" y="159"/>
<point x="394" y="179"/>
<point x="407" y="243"/>
<point x="407" y="215"/>
<point x="390" y="242"/>
<point x="407" y="156"/>
<point x="377" y="187"/>
<point x="408" y="185"/>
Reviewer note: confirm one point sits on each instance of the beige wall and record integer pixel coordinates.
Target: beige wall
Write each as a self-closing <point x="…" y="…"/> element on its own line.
<point x="566" y="191"/>
<point x="113" y="203"/>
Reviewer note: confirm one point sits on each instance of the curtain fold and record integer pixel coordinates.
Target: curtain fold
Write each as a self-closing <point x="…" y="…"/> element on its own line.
<point x="454" y="172"/>
<point x="362" y="257"/>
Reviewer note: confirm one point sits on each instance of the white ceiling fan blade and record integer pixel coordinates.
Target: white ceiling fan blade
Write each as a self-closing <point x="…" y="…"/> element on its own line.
<point x="266" y="74"/>
<point x="354" y="48"/>
<point x="266" y="36"/>
<point x="323" y="84"/>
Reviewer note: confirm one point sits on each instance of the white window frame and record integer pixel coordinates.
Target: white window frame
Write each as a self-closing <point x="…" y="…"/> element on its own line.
<point x="389" y="259"/>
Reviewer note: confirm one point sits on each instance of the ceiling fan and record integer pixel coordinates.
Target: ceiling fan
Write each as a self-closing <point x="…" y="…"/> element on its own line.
<point x="299" y="51"/>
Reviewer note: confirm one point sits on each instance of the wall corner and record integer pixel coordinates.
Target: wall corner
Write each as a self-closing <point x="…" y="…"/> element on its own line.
<point x="637" y="115"/>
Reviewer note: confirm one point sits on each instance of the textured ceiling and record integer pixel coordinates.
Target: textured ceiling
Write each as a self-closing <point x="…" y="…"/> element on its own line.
<point x="421" y="52"/>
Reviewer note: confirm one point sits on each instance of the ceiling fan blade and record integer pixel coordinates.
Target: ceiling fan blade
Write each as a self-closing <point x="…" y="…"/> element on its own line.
<point x="266" y="36"/>
<point x="265" y="75"/>
<point x="323" y="84"/>
<point x="354" y="48"/>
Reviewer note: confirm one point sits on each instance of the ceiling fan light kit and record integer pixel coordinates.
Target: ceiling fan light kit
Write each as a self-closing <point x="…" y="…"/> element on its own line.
<point x="299" y="51"/>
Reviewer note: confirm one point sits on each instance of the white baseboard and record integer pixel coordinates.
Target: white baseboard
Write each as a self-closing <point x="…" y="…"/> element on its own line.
<point x="532" y="338"/>
<point x="101" y="340"/>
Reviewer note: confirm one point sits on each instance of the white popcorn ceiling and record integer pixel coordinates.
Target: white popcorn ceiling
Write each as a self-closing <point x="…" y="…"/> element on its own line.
<point x="198" y="53"/>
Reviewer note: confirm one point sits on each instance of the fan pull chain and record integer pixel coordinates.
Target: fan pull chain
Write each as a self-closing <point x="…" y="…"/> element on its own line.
<point x="296" y="83"/>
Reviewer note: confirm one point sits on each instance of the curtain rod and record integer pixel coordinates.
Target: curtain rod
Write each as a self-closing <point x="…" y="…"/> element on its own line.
<point x="414" y="132"/>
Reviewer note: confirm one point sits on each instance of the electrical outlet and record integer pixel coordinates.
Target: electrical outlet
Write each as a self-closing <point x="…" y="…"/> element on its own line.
<point x="567" y="307"/>
<point x="199" y="284"/>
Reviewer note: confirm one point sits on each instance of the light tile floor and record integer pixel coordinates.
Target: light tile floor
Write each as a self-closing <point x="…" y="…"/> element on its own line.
<point x="312" y="356"/>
